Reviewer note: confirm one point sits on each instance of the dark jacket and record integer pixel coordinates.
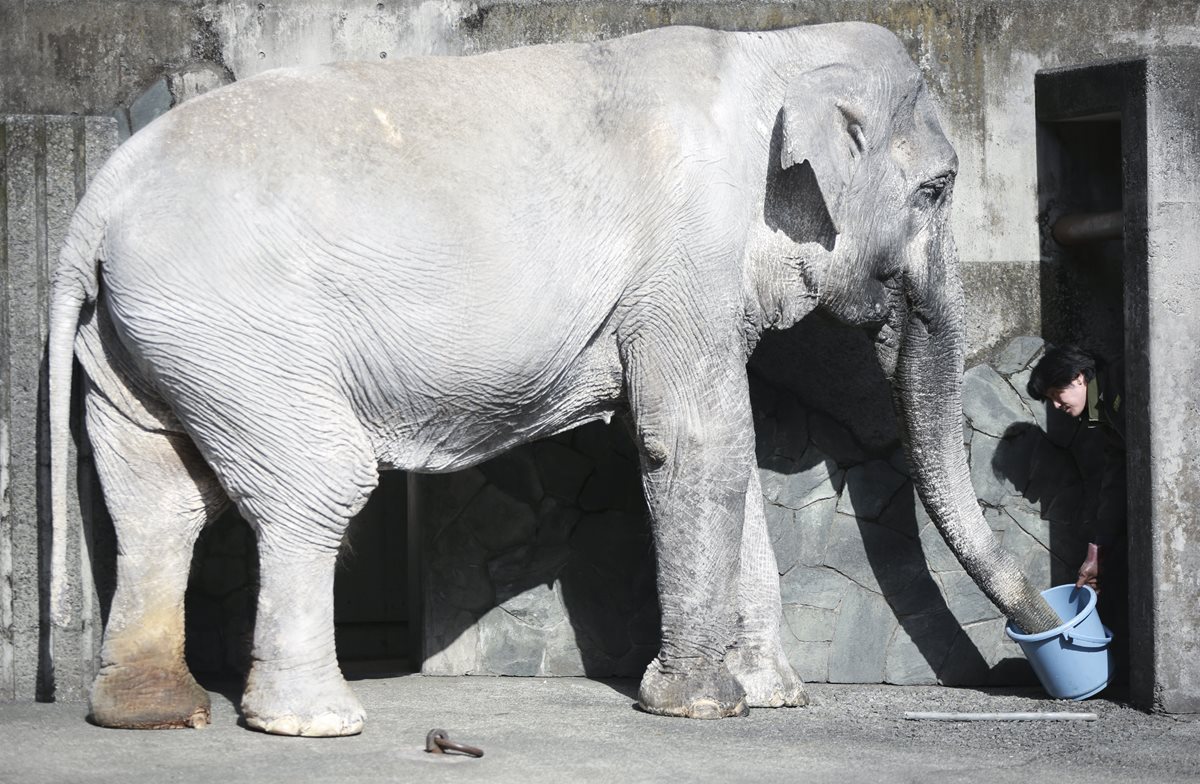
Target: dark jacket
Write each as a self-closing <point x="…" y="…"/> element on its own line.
<point x="1106" y="410"/>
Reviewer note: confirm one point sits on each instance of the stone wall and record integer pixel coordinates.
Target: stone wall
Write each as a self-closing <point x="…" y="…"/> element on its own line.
<point x="540" y="562"/>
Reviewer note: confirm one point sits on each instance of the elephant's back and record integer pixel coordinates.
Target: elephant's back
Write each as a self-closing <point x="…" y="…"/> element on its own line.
<point x="439" y="235"/>
<point x="351" y="115"/>
<point x="506" y="153"/>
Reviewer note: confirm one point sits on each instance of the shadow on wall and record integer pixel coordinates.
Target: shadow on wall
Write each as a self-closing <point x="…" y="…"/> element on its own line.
<point x="870" y="591"/>
<point x="370" y="601"/>
<point x="1046" y="476"/>
<point x="541" y="563"/>
<point x="221" y="600"/>
<point x="1032" y="465"/>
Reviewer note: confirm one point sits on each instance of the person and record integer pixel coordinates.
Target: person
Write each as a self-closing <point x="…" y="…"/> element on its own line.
<point x="1086" y="386"/>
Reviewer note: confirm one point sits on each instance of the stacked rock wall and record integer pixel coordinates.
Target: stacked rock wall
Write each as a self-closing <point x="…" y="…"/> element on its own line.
<point x="541" y="563"/>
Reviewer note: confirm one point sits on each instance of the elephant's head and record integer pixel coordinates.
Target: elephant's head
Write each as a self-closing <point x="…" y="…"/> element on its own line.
<point x="861" y="189"/>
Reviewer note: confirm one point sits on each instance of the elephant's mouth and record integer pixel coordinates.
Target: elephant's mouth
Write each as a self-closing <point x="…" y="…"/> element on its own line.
<point x="887" y="348"/>
<point x="887" y="334"/>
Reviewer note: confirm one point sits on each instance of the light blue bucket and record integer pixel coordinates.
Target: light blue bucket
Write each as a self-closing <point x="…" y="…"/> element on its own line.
<point x="1072" y="661"/>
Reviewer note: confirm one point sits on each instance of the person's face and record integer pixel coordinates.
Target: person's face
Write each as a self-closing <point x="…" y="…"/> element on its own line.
<point x="1071" y="399"/>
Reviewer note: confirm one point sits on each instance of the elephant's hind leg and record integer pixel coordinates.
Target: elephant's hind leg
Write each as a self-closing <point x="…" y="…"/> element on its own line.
<point x="295" y="686"/>
<point x="758" y="660"/>
<point x="160" y="495"/>
<point x="300" y="503"/>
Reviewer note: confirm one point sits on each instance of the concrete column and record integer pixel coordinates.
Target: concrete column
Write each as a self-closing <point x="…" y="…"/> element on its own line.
<point x="1157" y="102"/>
<point x="1169" y="547"/>
<point x="45" y="165"/>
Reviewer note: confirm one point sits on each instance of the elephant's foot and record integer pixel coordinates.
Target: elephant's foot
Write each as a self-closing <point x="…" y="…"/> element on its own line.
<point x="769" y="681"/>
<point x="692" y="689"/>
<point x="147" y="697"/>
<point x="301" y="703"/>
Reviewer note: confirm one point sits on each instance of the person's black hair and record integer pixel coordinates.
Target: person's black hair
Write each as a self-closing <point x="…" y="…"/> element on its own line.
<point x="1058" y="367"/>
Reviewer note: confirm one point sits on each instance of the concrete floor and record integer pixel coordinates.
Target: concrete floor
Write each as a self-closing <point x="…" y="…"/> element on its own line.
<point x="572" y="729"/>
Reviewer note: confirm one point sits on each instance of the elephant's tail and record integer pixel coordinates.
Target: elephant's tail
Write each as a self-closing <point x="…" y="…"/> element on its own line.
<point x="75" y="283"/>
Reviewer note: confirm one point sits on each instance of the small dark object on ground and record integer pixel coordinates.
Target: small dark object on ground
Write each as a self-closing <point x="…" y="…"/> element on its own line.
<point x="438" y="742"/>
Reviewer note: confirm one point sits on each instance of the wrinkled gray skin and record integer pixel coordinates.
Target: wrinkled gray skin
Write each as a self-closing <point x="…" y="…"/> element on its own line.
<point x="290" y="283"/>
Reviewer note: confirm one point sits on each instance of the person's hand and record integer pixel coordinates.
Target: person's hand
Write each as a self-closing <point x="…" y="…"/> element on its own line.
<point x="1089" y="570"/>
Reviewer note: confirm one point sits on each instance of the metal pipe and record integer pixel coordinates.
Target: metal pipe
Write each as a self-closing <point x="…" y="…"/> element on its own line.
<point x="918" y="716"/>
<point x="1089" y="227"/>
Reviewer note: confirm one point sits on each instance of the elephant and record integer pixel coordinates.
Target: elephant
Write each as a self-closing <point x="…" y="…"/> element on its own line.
<point x="289" y="284"/>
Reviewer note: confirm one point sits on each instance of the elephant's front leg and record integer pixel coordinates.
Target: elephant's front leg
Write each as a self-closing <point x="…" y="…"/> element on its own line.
<point x="758" y="659"/>
<point x="691" y="413"/>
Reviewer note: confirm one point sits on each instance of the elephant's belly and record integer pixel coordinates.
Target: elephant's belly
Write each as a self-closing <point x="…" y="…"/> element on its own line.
<point x="449" y="434"/>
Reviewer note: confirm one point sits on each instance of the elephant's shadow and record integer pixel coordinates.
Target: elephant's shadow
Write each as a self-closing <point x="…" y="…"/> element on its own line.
<point x="1053" y="475"/>
<point x="542" y="562"/>
<point x="569" y="587"/>
<point x="858" y="554"/>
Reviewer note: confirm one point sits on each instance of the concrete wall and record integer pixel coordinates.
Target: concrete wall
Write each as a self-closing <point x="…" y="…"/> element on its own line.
<point x="1167" y="546"/>
<point x="979" y="56"/>
<point x="1140" y="116"/>
<point x="45" y="165"/>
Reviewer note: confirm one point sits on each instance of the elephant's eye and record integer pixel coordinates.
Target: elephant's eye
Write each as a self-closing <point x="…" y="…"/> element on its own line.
<point x="934" y="189"/>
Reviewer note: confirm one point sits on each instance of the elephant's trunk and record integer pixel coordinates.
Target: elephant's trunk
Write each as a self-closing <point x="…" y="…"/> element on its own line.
<point x="927" y="392"/>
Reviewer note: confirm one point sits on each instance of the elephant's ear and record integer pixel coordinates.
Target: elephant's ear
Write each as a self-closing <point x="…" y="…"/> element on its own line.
<point x="821" y="126"/>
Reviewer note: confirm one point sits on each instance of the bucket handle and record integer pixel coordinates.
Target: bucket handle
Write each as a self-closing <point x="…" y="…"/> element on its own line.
<point x="1082" y="639"/>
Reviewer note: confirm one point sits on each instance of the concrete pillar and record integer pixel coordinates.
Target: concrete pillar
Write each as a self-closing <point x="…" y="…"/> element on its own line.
<point x="45" y="165"/>
<point x="1156" y="100"/>
<point x="1168" y="550"/>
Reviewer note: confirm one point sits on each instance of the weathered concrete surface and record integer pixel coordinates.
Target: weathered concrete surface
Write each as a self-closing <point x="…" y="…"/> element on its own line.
<point x="1150" y="106"/>
<point x="979" y="56"/>
<point x="45" y="165"/>
<point x="1171" y="542"/>
<point x="568" y="729"/>
<point x="527" y="573"/>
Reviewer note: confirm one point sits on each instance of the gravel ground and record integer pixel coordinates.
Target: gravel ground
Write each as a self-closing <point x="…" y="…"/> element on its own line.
<point x="573" y="729"/>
